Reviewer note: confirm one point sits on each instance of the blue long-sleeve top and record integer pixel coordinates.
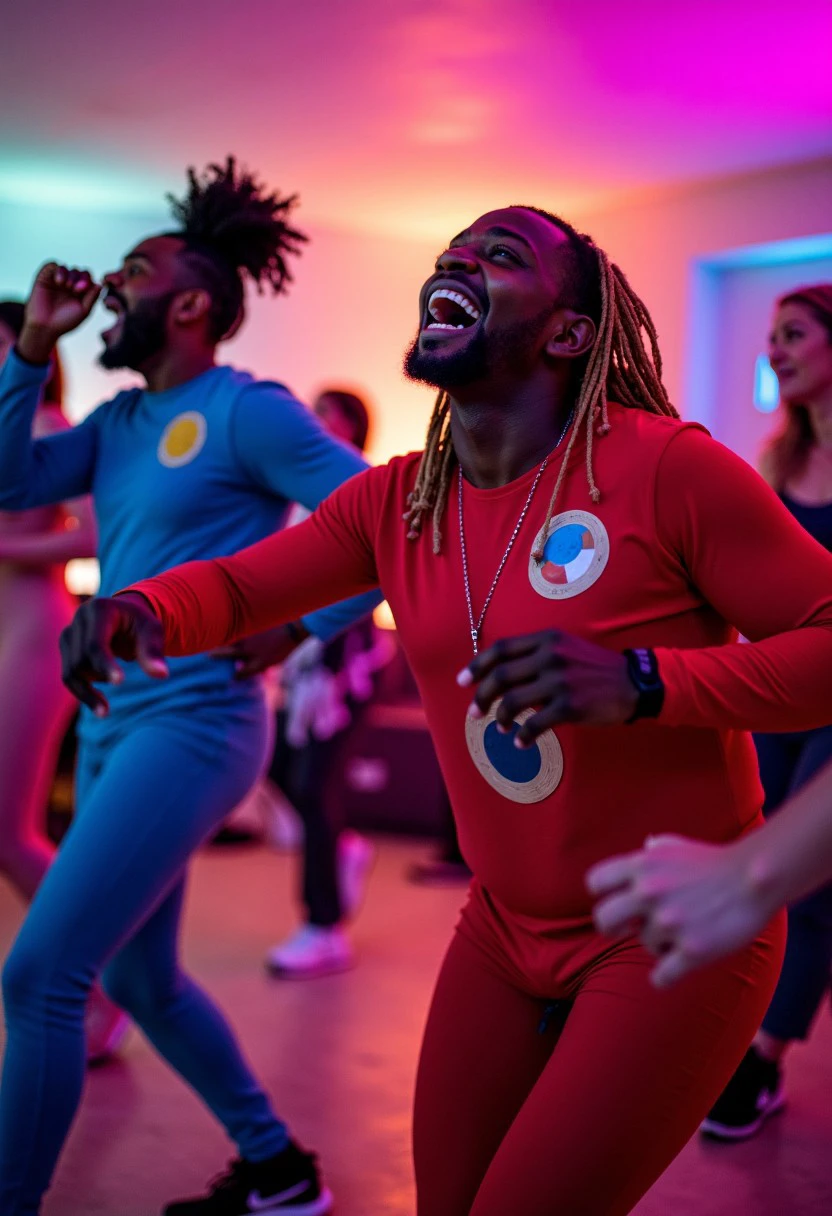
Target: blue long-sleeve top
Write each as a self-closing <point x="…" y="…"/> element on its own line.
<point x="198" y="471"/>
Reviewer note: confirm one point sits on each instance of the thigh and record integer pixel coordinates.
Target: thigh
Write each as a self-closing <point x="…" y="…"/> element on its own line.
<point x="146" y="803"/>
<point x="480" y="1057"/>
<point x="633" y="1074"/>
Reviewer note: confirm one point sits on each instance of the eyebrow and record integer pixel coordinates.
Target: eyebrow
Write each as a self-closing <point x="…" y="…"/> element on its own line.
<point x="137" y="257"/>
<point x="496" y="231"/>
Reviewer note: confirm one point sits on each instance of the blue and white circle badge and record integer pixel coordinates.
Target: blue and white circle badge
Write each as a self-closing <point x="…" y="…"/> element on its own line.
<point x="575" y="554"/>
<point x="527" y="774"/>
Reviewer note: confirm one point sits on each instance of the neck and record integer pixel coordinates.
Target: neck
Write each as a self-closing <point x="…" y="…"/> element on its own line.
<point x="171" y="368"/>
<point x="499" y="436"/>
<point x="820" y="415"/>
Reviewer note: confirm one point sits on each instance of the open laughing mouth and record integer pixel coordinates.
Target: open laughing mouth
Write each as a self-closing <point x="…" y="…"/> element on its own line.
<point x="114" y="332"/>
<point x="449" y="310"/>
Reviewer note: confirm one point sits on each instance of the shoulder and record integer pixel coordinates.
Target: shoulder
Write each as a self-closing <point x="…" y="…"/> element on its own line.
<point x="113" y="410"/>
<point x="253" y="392"/>
<point x="651" y="431"/>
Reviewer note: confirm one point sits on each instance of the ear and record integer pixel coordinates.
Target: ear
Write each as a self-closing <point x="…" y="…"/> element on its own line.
<point x="571" y="335"/>
<point x="190" y="306"/>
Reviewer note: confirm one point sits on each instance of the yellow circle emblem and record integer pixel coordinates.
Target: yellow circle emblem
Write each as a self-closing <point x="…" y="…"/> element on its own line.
<point x="182" y="439"/>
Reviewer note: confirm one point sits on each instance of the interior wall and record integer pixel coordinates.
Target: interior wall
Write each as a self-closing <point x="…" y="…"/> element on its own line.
<point x="353" y="307"/>
<point x="656" y="240"/>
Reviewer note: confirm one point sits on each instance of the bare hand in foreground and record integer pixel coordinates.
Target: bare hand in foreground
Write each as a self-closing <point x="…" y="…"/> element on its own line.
<point x="690" y="903"/>
<point x="102" y="631"/>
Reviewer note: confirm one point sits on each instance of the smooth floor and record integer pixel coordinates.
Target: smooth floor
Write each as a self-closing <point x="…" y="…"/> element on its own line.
<point x="339" y="1055"/>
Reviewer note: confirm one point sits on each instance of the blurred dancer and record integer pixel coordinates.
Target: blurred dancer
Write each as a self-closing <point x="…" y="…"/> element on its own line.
<point x="35" y="709"/>
<point x="35" y="605"/>
<point x="798" y="464"/>
<point x="201" y="461"/>
<point x="560" y="496"/>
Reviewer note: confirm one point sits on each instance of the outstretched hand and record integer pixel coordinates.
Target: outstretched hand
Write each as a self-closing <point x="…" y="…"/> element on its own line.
<point x="690" y="903"/>
<point x="565" y="678"/>
<point x="102" y="631"/>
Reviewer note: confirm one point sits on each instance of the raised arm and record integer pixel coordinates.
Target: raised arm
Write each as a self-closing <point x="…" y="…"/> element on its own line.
<point x="761" y="571"/>
<point x="202" y="605"/>
<point x="56" y="545"/>
<point x="58" y="467"/>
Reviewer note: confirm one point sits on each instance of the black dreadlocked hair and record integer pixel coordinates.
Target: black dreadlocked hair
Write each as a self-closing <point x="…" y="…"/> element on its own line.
<point x="232" y="229"/>
<point x="624" y="365"/>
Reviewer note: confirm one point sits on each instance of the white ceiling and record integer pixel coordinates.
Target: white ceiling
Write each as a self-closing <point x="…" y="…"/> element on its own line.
<point x="390" y="114"/>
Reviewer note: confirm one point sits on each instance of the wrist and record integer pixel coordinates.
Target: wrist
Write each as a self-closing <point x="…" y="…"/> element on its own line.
<point x="643" y="672"/>
<point x="36" y="344"/>
<point x="764" y="876"/>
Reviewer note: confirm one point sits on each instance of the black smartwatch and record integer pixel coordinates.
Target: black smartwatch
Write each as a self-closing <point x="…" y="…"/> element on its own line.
<point x="643" y="670"/>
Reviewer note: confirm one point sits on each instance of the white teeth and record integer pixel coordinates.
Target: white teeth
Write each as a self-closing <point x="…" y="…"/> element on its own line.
<point x="441" y="325"/>
<point x="442" y="293"/>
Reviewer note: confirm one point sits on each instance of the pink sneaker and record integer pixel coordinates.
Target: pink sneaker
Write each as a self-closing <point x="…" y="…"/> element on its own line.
<point x="106" y="1025"/>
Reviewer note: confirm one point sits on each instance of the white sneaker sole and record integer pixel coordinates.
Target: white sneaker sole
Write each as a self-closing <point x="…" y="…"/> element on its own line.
<point x="721" y="1131"/>
<point x="321" y="1206"/>
<point x="280" y="972"/>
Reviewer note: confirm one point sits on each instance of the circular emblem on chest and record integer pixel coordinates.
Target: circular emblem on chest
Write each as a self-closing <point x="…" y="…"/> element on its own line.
<point x="519" y="774"/>
<point x="182" y="439"/>
<point x="575" y="554"/>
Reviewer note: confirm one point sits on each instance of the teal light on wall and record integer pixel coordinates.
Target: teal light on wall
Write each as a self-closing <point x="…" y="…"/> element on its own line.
<point x="766" y="387"/>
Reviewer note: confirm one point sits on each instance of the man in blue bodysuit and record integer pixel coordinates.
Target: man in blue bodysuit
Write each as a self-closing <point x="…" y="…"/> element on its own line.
<point x="202" y="462"/>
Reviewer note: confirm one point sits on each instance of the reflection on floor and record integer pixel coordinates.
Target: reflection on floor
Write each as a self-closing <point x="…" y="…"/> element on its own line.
<point x="339" y="1055"/>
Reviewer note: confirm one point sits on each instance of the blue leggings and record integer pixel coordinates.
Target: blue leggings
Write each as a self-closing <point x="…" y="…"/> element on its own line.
<point x="111" y="903"/>
<point x="788" y="761"/>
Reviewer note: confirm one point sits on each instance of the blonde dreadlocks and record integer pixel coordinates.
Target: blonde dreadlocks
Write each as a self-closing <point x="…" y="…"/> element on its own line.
<point x="619" y="369"/>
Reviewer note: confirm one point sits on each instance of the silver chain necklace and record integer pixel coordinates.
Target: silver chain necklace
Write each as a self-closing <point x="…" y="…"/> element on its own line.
<point x="476" y="628"/>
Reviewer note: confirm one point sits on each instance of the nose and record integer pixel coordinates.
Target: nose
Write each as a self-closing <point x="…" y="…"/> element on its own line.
<point x="113" y="278"/>
<point x="458" y="258"/>
<point x="775" y="353"/>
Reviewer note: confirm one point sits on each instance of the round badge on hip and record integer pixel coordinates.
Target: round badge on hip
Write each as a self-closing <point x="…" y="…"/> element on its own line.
<point x="575" y="554"/>
<point x="182" y="439"/>
<point x="527" y="774"/>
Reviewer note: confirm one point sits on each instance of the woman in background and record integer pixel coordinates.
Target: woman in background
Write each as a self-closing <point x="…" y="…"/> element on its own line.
<point x="35" y="708"/>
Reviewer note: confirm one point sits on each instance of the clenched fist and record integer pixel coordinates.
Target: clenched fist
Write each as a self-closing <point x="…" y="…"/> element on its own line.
<point x="60" y="300"/>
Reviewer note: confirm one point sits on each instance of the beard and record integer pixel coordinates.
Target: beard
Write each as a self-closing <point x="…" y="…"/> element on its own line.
<point x="143" y="334"/>
<point x="507" y="350"/>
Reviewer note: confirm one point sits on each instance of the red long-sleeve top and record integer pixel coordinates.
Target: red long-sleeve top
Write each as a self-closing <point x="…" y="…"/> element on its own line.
<point x="686" y="548"/>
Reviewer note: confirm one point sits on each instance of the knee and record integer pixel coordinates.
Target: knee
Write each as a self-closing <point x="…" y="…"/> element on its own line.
<point x="33" y="977"/>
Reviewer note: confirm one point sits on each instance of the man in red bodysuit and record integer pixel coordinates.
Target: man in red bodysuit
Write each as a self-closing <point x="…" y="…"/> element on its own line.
<point x="589" y="564"/>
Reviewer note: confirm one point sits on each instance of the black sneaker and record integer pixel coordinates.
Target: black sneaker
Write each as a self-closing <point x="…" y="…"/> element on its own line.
<point x="754" y="1092"/>
<point x="289" y="1182"/>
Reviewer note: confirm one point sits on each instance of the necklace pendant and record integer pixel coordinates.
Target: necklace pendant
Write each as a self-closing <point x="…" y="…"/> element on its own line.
<point x="475" y="637"/>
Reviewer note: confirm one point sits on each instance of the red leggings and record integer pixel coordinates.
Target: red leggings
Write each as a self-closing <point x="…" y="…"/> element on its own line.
<point x="581" y="1119"/>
